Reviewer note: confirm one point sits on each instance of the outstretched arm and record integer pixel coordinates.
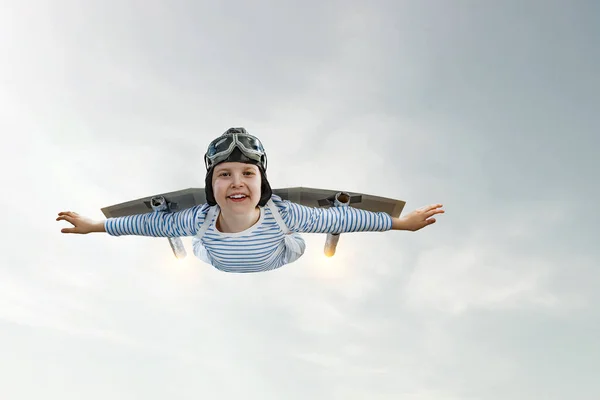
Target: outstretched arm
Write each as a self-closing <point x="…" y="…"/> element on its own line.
<point x="344" y="219"/>
<point x="155" y="224"/>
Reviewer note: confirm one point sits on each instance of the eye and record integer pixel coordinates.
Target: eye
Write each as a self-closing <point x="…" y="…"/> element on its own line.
<point x="249" y="173"/>
<point x="223" y="173"/>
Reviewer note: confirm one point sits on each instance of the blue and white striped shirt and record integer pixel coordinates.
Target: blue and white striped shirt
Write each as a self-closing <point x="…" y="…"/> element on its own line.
<point x="259" y="248"/>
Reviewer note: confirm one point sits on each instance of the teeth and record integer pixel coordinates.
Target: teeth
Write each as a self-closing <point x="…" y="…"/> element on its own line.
<point x="237" y="196"/>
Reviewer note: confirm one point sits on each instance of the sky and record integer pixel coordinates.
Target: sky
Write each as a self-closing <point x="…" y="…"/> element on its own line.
<point x="486" y="107"/>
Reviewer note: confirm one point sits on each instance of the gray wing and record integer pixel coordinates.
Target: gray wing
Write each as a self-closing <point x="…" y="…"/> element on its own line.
<point x="178" y="200"/>
<point x="312" y="197"/>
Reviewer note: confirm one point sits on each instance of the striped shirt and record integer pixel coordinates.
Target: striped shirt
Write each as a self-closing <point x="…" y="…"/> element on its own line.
<point x="261" y="247"/>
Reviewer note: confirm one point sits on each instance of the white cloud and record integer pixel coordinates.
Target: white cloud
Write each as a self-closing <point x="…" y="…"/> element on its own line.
<point x="106" y="102"/>
<point x="455" y="280"/>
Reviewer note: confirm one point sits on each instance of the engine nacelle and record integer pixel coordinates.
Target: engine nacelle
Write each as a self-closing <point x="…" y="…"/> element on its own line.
<point x="177" y="247"/>
<point x="341" y="199"/>
<point x="331" y="243"/>
<point x="160" y="204"/>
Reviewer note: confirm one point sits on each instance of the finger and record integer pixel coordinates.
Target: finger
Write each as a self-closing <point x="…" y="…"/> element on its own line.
<point x="433" y="212"/>
<point x="68" y="230"/>
<point x="428" y="208"/>
<point x="67" y="218"/>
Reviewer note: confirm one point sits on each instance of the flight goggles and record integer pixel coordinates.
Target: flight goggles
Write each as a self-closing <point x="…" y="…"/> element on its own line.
<point x="220" y="148"/>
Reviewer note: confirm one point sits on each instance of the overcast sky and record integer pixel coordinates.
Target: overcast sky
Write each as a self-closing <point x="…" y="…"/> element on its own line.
<point x="484" y="106"/>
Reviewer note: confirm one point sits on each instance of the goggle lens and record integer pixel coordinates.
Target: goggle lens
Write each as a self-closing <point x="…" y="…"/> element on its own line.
<point x="250" y="143"/>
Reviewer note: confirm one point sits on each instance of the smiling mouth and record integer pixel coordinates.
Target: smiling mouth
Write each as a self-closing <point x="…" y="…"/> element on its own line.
<point x="237" y="197"/>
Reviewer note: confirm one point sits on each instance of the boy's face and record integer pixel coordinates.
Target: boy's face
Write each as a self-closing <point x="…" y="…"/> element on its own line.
<point x="231" y="178"/>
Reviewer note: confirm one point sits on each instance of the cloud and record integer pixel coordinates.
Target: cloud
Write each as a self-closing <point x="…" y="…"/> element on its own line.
<point x="107" y="102"/>
<point x="496" y="265"/>
<point x="456" y="280"/>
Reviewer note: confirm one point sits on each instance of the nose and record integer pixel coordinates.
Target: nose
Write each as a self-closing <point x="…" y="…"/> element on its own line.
<point x="236" y="181"/>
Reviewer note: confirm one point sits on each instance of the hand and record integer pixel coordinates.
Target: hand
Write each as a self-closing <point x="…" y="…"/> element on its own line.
<point x="81" y="225"/>
<point x="420" y="218"/>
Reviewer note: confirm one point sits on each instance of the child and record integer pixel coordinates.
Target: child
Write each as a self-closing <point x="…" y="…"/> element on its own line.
<point x="243" y="226"/>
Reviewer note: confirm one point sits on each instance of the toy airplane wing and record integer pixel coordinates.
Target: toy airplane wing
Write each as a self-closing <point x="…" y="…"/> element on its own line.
<point x="176" y="201"/>
<point x="312" y="197"/>
<point x="169" y="202"/>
